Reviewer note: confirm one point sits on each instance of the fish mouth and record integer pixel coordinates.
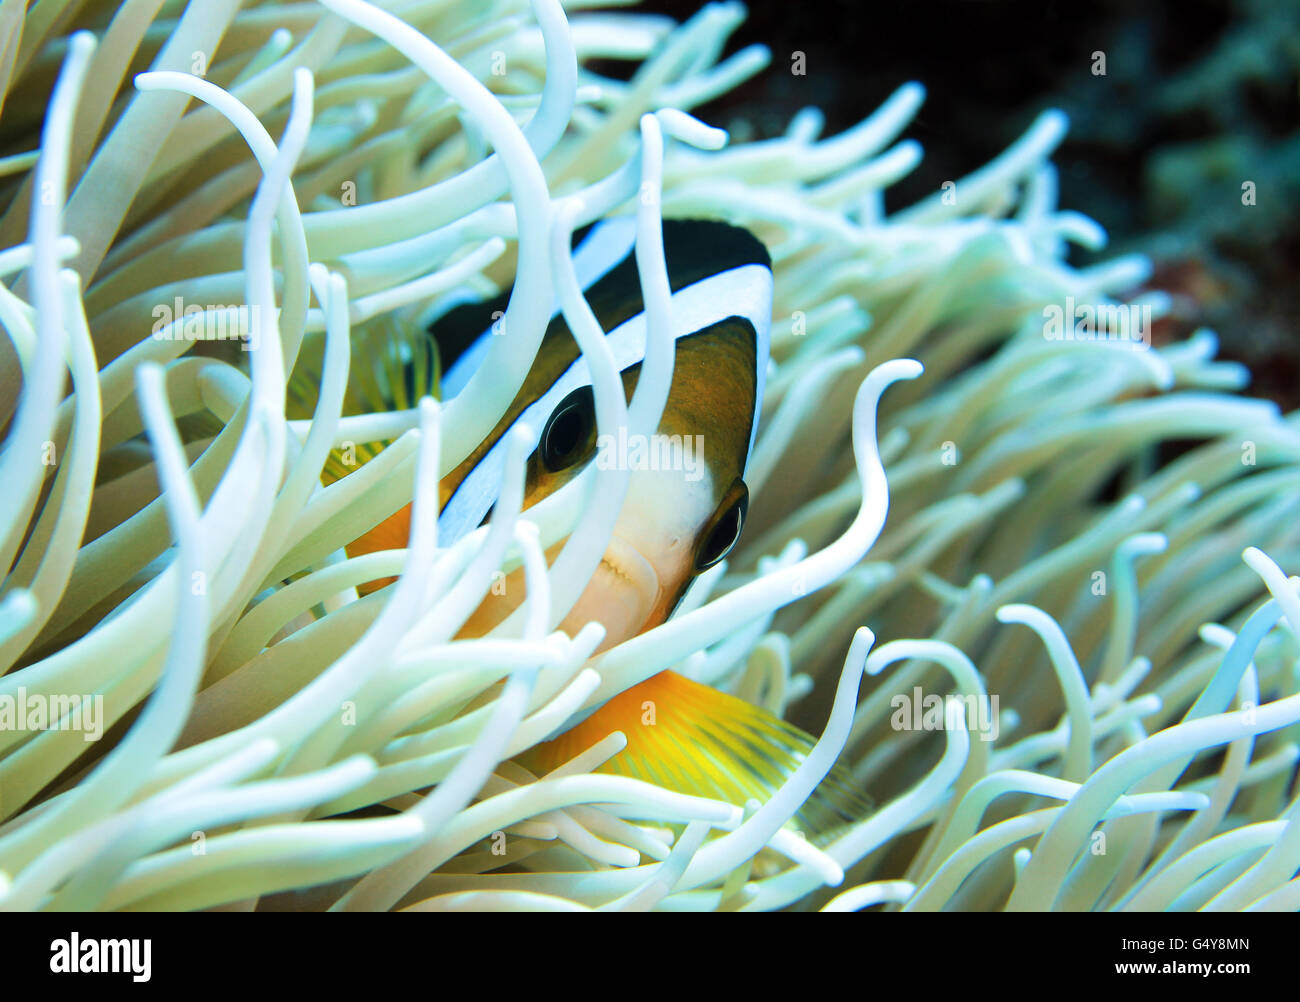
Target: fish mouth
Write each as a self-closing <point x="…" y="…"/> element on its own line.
<point x="620" y="596"/>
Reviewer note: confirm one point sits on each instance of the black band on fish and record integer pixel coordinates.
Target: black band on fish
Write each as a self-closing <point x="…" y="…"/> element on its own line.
<point x="605" y="266"/>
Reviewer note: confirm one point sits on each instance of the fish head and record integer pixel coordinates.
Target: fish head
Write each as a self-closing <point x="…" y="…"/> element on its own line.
<point x="686" y="498"/>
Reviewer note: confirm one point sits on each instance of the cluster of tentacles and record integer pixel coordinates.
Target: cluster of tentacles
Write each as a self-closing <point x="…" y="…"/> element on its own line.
<point x="1123" y="679"/>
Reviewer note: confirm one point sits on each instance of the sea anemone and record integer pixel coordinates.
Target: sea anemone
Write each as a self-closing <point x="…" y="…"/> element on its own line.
<point x="1084" y="680"/>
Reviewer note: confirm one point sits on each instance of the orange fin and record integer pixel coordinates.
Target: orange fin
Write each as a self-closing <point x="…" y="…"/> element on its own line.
<point x="690" y="738"/>
<point x="393" y="533"/>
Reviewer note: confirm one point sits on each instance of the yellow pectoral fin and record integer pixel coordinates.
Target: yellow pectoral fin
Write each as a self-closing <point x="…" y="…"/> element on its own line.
<point x="691" y="738"/>
<point x="394" y="364"/>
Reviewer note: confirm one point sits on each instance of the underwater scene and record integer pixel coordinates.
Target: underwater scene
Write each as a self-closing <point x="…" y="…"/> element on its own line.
<point x="556" y="456"/>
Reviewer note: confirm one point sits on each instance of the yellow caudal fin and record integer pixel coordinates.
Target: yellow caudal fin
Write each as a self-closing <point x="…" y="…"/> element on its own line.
<point x="393" y="365"/>
<point x="691" y="738"/>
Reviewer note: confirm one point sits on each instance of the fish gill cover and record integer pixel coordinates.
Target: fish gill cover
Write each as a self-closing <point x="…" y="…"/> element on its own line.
<point x="1064" y="672"/>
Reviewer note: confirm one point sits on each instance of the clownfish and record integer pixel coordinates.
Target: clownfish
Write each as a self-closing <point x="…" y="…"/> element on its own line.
<point x="674" y="523"/>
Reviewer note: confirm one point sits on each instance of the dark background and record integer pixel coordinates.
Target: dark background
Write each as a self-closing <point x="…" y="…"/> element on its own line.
<point x="1198" y="96"/>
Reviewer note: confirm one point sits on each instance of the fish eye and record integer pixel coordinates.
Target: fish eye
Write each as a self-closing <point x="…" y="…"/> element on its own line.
<point x="567" y="435"/>
<point x="727" y="524"/>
